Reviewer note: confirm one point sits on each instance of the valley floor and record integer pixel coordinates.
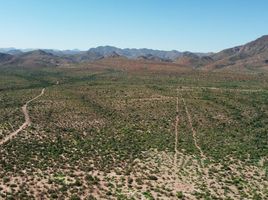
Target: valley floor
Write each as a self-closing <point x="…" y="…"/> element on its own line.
<point x="116" y="135"/>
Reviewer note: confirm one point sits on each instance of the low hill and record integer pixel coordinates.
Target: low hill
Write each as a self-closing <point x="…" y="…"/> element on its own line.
<point x="193" y="60"/>
<point x="125" y="64"/>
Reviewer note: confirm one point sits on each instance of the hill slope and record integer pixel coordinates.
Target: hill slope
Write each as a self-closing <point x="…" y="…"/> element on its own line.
<point x="193" y="60"/>
<point x="251" y="55"/>
<point x="5" y="57"/>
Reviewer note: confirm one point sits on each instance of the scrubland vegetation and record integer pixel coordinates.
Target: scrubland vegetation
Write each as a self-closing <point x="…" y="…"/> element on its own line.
<point x="110" y="134"/>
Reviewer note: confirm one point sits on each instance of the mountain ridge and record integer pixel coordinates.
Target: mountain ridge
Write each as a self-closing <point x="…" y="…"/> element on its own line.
<point x="252" y="55"/>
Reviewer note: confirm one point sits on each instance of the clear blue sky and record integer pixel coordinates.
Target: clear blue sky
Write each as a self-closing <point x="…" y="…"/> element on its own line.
<point x="193" y="25"/>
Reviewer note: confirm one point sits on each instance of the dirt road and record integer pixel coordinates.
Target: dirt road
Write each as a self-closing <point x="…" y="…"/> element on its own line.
<point x="27" y="120"/>
<point x="192" y="128"/>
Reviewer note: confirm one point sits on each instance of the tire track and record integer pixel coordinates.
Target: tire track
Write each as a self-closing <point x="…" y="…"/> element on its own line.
<point x="192" y="129"/>
<point x="27" y="119"/>
<point x="175" y="165"/>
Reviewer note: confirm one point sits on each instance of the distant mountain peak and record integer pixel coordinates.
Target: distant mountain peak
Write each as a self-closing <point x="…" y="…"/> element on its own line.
<point x="40" y="52"/>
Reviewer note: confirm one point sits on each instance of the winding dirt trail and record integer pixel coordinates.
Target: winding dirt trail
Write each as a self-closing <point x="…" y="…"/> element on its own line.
<point x="27" y="119"/>
<point x="176" y="142"/>
<point x="192" y="128"/>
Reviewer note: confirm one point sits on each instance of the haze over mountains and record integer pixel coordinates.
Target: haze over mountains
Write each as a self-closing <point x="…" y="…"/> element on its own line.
<point x="251" y="55"/>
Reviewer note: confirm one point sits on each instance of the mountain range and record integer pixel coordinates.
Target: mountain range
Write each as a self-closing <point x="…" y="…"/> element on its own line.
<point x="253" y="55"/>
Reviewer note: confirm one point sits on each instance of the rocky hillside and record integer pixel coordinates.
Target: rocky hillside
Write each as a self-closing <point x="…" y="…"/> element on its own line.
<point x="251" y="55"/>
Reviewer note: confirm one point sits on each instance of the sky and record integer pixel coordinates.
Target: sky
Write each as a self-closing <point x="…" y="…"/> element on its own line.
<point x="184" y="25"/>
